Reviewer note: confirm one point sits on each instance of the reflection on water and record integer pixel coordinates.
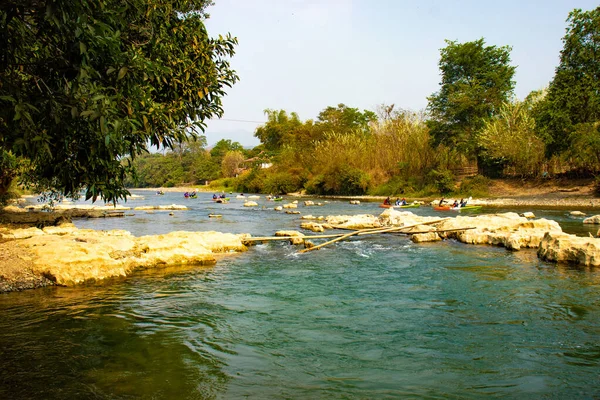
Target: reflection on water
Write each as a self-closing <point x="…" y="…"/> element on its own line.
<point x="378" y="317"/>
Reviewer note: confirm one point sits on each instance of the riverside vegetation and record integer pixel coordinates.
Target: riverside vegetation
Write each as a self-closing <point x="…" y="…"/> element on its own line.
<point x="473" y="126"/>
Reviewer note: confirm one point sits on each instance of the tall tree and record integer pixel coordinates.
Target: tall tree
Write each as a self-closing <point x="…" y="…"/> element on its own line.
<point x="344" y="119"/>
<point x="224" y="146"/>
<point x="574" y="93"/>
<point x="278" y="129"/>
<point x="476" y="80"/>
<point x="85" y="83"/>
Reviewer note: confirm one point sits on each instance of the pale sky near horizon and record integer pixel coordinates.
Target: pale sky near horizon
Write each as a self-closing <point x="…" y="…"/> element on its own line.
<point x="305" y="55"/>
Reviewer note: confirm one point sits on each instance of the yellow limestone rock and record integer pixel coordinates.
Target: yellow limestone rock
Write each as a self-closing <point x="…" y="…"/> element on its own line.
<point x="288" y="233"/>
<point x="592" y="220"/>
<point x="507" y="229"/>
<point x="392" y="217"/>
<point x="561" y="247"/>
<point x="21" y="233"/>
<point x="62" y="229"/>
<point x="295" y="236"/>
<point x="430" y="236"/>
<point x="85" y="254"/>
<point x="309" y="203"/>
<point x="250" y="204"/>
<point x="312" y="226"/>
<point x="361" y="221"/>
<point x="290" y="205"/>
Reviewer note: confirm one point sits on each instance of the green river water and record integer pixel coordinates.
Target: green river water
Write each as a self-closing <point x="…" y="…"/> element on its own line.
<point x="370" y="318"/>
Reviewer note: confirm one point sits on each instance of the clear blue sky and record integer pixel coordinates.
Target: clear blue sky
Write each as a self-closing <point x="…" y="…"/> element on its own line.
<point x="305" y="55"/>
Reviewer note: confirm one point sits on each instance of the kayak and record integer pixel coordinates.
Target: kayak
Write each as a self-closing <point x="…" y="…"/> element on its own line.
<point x="278" y="199"/>
<point x="405" y="206"/>
<point x="450" y="208"/>
<point x="414" y="205"/>
<point x="225" y="200"/>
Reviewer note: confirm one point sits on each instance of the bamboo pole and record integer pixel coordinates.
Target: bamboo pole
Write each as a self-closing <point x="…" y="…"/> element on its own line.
<point x="370" y="232"/>
<point x="436" y="231"/>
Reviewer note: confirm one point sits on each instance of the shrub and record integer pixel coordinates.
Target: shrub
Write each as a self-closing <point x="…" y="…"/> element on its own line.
<point x="597" y="186"/>
<point x="443" y="180"/>
<point x="281" y="183"/>
<point x="344" y="180"/>
<point x="476" y="186"/>
<point x="315" y="185"/>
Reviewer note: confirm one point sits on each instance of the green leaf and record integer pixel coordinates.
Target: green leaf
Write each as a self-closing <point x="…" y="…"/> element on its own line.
<point x="110" y="70"/>
<point x="122" y="73"/>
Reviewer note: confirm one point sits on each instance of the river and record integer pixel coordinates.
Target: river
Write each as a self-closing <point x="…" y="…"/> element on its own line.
<point x="376" y="317"/>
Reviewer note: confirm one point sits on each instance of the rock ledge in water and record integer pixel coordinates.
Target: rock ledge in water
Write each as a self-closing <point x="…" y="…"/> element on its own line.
<point x="67" y="255"/>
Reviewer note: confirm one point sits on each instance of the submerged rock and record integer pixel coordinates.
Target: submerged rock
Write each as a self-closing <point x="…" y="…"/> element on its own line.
<point x="577" y="214"/>
<point x="561" y="247"/>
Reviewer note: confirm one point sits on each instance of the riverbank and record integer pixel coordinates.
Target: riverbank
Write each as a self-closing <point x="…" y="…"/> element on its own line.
<point x="577" y="193"/>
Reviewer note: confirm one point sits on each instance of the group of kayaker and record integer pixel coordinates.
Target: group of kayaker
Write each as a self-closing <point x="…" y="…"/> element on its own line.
<point x="398" y="202"/>
<point x="456" y="204"/>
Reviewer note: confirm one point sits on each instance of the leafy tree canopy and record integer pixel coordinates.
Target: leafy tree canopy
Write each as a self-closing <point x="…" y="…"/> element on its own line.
<point x="344" y="119"/>
<point x="278" y="129"/>
<point x="224" y="146"/>
<point x="476" y="80"/>
<point x="574" y="93"/>
<point x="85" y="83"/>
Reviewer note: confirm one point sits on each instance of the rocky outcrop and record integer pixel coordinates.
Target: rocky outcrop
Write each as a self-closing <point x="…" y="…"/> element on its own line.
<point x="66" y="255"/>
<point x="507" y="229"/>
<point x="295" y="236"/>
<point x="36" y="215"/>
<point x="312" y="226"/>
<point x="362" y="221"/>
<point x="592" y="220"/>
<point x="426" y="233"/>
<point x="561" y="247"/>
<point x="392" y="217"/>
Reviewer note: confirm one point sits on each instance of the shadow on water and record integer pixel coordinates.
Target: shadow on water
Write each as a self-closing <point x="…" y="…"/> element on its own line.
<point x="114" y="339"/>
